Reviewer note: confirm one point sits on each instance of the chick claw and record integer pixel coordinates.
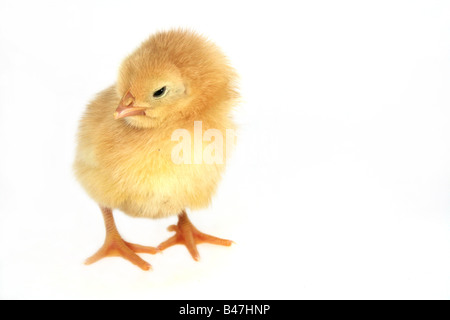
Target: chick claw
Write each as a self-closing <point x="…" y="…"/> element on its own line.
<point x="115" y="246"/>
<point x="187" y="234"/>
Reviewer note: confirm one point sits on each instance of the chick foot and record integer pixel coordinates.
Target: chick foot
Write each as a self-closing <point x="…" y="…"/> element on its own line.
<point x="188" y="235"/>
<point x="115" y="246"/>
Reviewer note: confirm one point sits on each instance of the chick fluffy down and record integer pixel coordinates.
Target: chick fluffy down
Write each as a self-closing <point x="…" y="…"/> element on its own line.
<point x="130" y="167"/>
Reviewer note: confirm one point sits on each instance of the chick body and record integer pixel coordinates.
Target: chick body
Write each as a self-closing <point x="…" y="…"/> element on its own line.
<point x="127" y="163"/>
<point x="132" y="169"/>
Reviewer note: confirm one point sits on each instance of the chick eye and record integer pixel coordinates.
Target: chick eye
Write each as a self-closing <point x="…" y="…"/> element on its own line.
<point x="159" y="93"/>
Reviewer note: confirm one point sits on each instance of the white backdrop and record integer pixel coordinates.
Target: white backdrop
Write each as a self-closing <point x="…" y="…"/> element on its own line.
<point x="339" y="187"/>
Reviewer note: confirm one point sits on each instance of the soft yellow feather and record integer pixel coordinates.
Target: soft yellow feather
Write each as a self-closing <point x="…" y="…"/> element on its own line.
<point x="126" y="163"/>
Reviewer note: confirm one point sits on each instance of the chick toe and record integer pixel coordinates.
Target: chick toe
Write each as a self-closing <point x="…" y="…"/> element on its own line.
<point x="190" y="236"/>
<point x="115" y="246"/>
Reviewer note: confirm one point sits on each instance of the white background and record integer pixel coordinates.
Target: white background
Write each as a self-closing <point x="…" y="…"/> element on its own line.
<point x="339" y="187"/>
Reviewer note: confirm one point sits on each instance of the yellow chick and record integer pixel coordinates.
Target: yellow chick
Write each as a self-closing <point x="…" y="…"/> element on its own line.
<point x="130" y="157"/>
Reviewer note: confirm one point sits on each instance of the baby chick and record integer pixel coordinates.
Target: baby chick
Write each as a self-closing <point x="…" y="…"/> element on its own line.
<point x="124" y="157"/>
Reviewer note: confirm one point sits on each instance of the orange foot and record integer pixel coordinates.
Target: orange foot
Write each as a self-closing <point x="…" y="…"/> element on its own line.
<point x="188" y="235"/>
<point x="115" y="246"/>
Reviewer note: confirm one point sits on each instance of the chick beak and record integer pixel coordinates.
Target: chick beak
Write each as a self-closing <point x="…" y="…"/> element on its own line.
<point x="126" y="107"/>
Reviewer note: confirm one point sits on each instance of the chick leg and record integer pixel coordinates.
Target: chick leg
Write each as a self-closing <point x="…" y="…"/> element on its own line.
<point x="188" y="235"/>
<point x="115" y="246"/>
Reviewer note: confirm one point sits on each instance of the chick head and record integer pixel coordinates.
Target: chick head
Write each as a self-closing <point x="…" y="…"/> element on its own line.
<point x="173" y="75"/>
